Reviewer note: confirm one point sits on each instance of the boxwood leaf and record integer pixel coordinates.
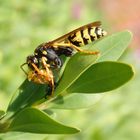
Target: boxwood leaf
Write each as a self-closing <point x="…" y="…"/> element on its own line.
<point x="75" y="67"/>
<point x="2" y="113"/>
<point x="35" y="121"/>
<point x="111" y="48"/>
<point x="22" y="136"/>
<point x="29" y="93"/>
<point x="25" y="95"/>
<point x="75" y="101"/>
<point x="102" y="77"/>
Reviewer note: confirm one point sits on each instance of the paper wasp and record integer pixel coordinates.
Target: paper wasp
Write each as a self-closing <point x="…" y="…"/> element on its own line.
<point x="46" y="56"/>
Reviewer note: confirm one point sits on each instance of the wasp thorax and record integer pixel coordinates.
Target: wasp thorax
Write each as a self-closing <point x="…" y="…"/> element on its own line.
<point x="39" y="51"/>
<point x="49" y="54"/>
<point x="67" y="51"/>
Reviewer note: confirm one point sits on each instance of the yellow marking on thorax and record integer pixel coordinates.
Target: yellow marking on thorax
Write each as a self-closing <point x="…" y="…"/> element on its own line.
<point x="92" y="33"/>
<point x="86" y="35"/>
<point x="44" y="52"/>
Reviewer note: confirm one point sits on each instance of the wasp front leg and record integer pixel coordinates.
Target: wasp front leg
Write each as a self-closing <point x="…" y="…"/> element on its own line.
<point x="49" y="78"/>
<point x="76" y="48"/>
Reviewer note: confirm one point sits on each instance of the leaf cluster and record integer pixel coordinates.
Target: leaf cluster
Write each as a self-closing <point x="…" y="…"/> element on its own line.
<point x="82" y="79"/>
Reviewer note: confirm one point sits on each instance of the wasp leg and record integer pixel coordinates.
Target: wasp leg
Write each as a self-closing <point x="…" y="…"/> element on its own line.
<point x="36" y="68"/>
<point x="23" y="68"/>
<point x="50" y="78"/>
<point x="55" y="63"/>
<point x="58" y="62"/>
<point x="67" y="51"/>
<point x="76" y="48"/>
<point x="49" y="90"/>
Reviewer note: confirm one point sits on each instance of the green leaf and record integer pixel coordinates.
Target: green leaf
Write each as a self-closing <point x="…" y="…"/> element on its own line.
<point x="111" y="48"/>
<point x="25" y="95"/>
<point x="75" y="101"/>
<point x="22" y="136"/>
<point x="29" y="93"/>
<point x="2" y="113"/>
<point x="75" y="67"/>
<point x="35" y="121"/>
<point x="102" y="77"/>
<point x="0" y="56"/>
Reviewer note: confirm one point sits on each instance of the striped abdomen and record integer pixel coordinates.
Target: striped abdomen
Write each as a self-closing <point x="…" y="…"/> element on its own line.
<point x="86" y="36"/>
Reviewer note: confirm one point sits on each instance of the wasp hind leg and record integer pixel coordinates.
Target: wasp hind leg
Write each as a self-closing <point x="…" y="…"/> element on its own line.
<point x="77" y="48"/>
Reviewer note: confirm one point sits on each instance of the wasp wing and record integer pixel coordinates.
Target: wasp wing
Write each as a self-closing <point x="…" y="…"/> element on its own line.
<point x="64" y="37"/>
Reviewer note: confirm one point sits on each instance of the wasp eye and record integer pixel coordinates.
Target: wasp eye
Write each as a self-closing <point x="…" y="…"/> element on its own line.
<point x="31" y="59"/>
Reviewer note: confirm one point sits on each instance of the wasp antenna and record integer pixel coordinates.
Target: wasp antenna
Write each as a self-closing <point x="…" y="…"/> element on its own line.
<point x="23" y="68"/>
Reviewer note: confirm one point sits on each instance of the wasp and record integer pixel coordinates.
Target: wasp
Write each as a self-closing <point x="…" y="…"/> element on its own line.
<point x="46" y="56"/>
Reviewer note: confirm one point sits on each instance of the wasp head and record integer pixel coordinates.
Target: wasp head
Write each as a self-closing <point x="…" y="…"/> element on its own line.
<point x="32" y="59"/>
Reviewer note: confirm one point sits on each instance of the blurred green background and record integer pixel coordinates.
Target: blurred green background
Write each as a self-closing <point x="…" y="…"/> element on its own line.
<point x="25" y="24"/>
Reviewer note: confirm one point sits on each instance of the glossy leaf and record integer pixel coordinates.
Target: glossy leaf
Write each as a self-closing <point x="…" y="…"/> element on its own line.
<point x="111" y="48"/>
<point x="22" y="136"/>
<point x="25" y="95"/>
<point x="75" y="67"/>
<point x="2" y="113"/>
<point x="34" y="121"/>
<point x="75" y="101"/>
<point x="102" y="77"/>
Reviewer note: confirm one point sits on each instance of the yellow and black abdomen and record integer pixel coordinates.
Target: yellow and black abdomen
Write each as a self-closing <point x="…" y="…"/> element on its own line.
<point x="86" y="36"/>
